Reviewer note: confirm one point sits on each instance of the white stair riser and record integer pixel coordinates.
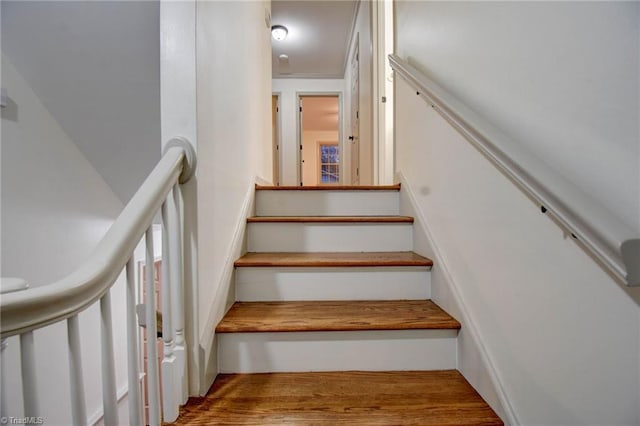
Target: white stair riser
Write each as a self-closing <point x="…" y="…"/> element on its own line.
<point x="327" y="203"/>
<point x="337" y="351"/>
<point x="310" y="237"/>
<point x="353" y="283"/>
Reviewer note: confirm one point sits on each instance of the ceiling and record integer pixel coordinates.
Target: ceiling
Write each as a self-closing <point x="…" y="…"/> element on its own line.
<point x="320" y="113"/>
<point x="96" y="67"/>
<point x="318" y="39"/>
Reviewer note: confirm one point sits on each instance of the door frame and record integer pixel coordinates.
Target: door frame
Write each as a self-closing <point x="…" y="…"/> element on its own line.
<point x="354" y="52"/>
<point x="299" y="130"/>
<point x="382" y="36"/>
<point x="277" y="153"/>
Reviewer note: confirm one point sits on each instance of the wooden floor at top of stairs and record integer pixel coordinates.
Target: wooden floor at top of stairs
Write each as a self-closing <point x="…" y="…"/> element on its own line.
<point x="330" y="188"/>
<point x="342" y="315"/>
<point x="340" y="398"/>
<point x="337" y="259"/>
<point x="330" y="219"/>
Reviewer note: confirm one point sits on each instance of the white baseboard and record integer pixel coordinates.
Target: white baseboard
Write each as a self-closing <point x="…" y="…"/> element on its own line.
<point x="98" y="415"/>
<point x="473" y="345"/>
<point x="263" y="182"/>
<point x="225" y="292"/>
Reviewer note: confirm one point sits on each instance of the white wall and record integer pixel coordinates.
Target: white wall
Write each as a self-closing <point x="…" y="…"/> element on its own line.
<point x="562" y="336"/>
<point x="288" y="89"/>
<point x="178" y="118"/>
<point x="362" y="33"/>
<point x="94" y="65"/>
<point x="55" y="208"/>
<point x="560" y="78"/>
<point x="234" y="145"/>
<point x="310" y="156"/>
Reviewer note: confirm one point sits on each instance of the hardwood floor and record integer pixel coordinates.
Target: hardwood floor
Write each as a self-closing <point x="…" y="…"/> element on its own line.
<point x="330" y="219"/>
<point x="441" y="397"/>
<point x="245" y="317"/>
<point x="340" y="398"/>
<point x="402" y="258"/>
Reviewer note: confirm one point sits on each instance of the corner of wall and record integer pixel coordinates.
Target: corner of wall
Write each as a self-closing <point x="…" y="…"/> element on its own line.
<point x="225" y="295"/>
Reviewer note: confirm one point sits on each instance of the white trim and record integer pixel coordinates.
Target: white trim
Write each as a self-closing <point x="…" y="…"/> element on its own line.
<point x="262" y="181"/>
<point x="466" y="318"/>
<point x="341" y="144"/>
<point x="236" y="247"/>
<point x="98" y="415"/>
<point x="278" y="155"/>
<point x="375" y="91"/>
<point x="384" y="110"/>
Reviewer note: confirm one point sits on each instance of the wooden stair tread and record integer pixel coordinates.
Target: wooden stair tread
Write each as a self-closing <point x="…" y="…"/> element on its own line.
<point x="257" y="317"/>
<point x="338" y="259"/>
<point x="340" y="398"/>
<point x="330" y="188"/>
<point x="330" y="219"/>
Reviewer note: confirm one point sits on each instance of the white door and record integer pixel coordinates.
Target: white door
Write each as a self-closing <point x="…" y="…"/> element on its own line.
<point x="355" y="118"/>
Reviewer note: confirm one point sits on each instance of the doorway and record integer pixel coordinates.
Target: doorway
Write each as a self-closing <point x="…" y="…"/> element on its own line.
<point x="319" y="139"/>
<point x="275" y="137"/>
<point x="355" y="116"/>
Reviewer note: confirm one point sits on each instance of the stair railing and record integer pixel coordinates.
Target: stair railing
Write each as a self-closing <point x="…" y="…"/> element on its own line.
<point x="28" y="310"/>
<point x="609" y="241"/>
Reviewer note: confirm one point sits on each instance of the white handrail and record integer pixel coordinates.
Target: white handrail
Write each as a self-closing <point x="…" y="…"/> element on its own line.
<point x="606" y="238"/>
<point x="37" y="307"/>
<point x="27" y="310"/>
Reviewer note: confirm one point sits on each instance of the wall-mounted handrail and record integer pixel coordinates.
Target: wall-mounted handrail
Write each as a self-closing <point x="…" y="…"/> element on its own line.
<point x="614" y="244"/>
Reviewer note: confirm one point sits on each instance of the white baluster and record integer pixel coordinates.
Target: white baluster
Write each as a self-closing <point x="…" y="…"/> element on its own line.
<point x="29" y="386"/>
<point x="152" y="326"/>
<point x="78" y="409"/>
<point x="169" y="392"/>
<point x="109" y="397"/>
<point x="177" y="295"/>
<point x="133" y="363"/>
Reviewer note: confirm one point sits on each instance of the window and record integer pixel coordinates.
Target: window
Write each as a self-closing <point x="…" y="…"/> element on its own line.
<point x="329" y="163"/>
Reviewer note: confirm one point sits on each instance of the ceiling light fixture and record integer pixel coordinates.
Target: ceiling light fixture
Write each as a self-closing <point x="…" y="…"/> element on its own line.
<point x="279" y="32"/>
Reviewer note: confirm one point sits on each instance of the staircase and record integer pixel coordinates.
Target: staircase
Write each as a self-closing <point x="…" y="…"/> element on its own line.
<point x="332" y="322"/>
